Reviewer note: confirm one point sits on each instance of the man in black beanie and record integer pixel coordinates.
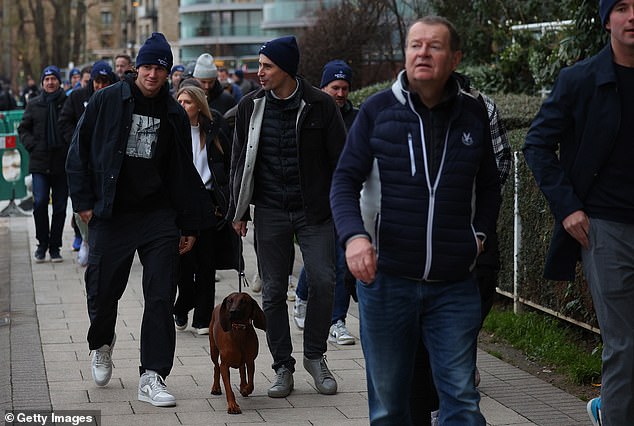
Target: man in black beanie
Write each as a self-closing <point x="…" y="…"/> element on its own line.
<point x="40" y="135"/>
<point x="579" y="148"/>
<point x="287" y="140"/>
<point x="132" y="180"/>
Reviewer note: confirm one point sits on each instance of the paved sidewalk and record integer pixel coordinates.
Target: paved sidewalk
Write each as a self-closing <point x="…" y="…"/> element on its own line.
<point x="45" y="364"/>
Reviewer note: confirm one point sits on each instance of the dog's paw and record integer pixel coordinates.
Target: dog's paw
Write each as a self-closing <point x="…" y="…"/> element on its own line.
<point x="234" y="408"/>
<point x="215" y="390"/>
<point x="246" y="390"/>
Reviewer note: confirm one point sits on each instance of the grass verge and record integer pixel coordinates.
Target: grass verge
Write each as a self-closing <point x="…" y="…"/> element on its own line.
<point x="545" y="340"/>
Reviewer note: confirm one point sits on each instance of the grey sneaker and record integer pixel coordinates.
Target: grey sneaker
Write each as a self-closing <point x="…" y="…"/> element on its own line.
<point x="299" y="312"/>
<point x="283" y="384"/>
<point x="102" y="363"/>
<point x="324" y="380"/>
<point x="152" y="389"/>
<point x="339" y="334"/>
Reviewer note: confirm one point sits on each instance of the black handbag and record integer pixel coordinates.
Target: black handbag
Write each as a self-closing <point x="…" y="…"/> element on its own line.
<point x="228" y="253"/>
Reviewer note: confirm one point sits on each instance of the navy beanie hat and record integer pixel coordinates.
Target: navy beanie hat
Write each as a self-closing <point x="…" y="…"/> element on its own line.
<point x="283" y="52"/>
<point x="336" y="70"/>
<point x="155" y="51"/>
<point x="178" y="67"/>
<point x="605" y="7"/>
<point x="102" y="69"/>
<point x="51" y="70"/>
<point x="74" y="71"/>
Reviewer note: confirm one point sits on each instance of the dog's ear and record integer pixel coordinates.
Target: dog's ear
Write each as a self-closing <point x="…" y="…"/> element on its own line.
<point x="223" y="315"/>
<point x="259" y="320"/>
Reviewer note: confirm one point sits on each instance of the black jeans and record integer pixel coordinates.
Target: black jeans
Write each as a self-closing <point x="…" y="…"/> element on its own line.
<point x="196" y="282"/>
<point x="113" y="243"/>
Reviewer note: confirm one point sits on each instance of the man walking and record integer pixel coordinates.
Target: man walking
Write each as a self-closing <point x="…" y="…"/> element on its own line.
<point x="422" y="153"/>
<point x="590" y="189"/>
<point x="287" y="140"/>
<point x="336" y="79"/>
<point x="132" y="179"/>
<point x="40" y="134"/>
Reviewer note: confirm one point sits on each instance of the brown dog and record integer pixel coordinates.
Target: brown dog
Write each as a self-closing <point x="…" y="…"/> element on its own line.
<point x="233" y="339"/>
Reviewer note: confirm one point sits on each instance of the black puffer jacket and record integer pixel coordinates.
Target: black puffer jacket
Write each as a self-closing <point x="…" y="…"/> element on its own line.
<point x="277" y="167"/>
<point x="32" y="131"/>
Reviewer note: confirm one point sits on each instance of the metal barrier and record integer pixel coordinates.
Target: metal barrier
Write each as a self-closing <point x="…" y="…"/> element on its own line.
<point x="10" y="189"/>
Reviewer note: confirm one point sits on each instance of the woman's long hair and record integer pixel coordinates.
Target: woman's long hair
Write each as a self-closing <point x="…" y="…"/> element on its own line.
<point x="205" y="118"/>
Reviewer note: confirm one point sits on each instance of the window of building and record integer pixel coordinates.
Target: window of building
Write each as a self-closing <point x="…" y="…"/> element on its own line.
<point x="106" y="18"/>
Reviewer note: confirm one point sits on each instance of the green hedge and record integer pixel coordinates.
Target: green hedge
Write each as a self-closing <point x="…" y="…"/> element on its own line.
<point x="571" y="299"/>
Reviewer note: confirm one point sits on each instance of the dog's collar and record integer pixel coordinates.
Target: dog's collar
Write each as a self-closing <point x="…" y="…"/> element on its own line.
<point x="238" y="326"/>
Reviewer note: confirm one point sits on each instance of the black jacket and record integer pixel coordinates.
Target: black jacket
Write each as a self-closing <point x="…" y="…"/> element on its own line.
<point x="321" y="134"/>
<point x="98" y="148"/>
<point x="569" y="141"/>
<point x="73" y="109"/>
<point x="32" y="131"/>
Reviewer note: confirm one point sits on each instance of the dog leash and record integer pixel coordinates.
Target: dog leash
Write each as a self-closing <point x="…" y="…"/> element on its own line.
<point x="241" y="276"/>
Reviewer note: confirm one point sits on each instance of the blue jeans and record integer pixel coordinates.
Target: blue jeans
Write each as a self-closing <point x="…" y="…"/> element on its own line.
<point x="342" y="295"/>
<point x="394" y="313"/>
<point x="274" y="229"/>
<point x="47" y="187"/>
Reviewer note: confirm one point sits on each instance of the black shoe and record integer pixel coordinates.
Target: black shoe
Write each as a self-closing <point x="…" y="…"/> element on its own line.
<point x="40" y="255"/>
<point x="55" y="256"/>
<point x="180" y="322"/>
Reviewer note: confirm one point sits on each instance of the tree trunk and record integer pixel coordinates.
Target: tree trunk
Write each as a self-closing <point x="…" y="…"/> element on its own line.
<point x="37" y="12"/>
<point x="61" y="33"/>
<point x="79" y="32"/>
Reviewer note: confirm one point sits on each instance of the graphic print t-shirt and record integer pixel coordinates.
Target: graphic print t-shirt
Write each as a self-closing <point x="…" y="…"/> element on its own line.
<point x="140" y="186"/>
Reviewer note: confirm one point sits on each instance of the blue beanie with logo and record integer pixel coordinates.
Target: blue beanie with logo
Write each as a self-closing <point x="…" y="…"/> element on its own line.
<point x="336" y="70"/>
<point x="155" y="51"/>
<point x="284" y="52"/>
<point x="102" y="69"/>
<point x="605" y="7"/>
<point x="51" y="70"/>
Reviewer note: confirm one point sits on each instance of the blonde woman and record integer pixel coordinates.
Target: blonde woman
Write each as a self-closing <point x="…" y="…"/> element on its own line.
<point x="211" y="153"/>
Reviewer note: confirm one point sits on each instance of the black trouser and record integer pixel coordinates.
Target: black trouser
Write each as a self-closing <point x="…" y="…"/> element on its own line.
<point x="113" y="243"/>
<point x="196" y="282"/>
<point x="423" y="397"/>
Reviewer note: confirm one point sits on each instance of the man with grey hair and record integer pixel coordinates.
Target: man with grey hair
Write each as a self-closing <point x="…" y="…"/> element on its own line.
<point x="420" y="155"/>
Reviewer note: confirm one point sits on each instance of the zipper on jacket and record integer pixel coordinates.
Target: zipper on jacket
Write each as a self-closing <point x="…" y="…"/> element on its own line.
<point x="412" y="160"/>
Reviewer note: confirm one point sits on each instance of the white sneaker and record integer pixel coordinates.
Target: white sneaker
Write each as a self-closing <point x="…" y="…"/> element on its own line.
<point x="290" y="294"/>
<point x="340" y="335"/>
<point x="299" y="312"/>
<point x="102" y="364"/>
<point x="152" y="389"/>
<point x="256" y="283"/>
<point x="202" y="331"/>
<point x="82" y="255"/>
<point x="434" y="418"/>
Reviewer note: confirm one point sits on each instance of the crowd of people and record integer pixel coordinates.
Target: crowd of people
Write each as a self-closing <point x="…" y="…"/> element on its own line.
<point x="393" y="205"/>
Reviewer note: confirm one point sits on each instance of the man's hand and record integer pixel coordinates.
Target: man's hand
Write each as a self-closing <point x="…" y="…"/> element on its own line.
<point x="186" y="243"/>
<point x="85" y="215"/>
<point x="240" y="227"/>
<point x="361" y="259"/>
<point x="577" y="225"/>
